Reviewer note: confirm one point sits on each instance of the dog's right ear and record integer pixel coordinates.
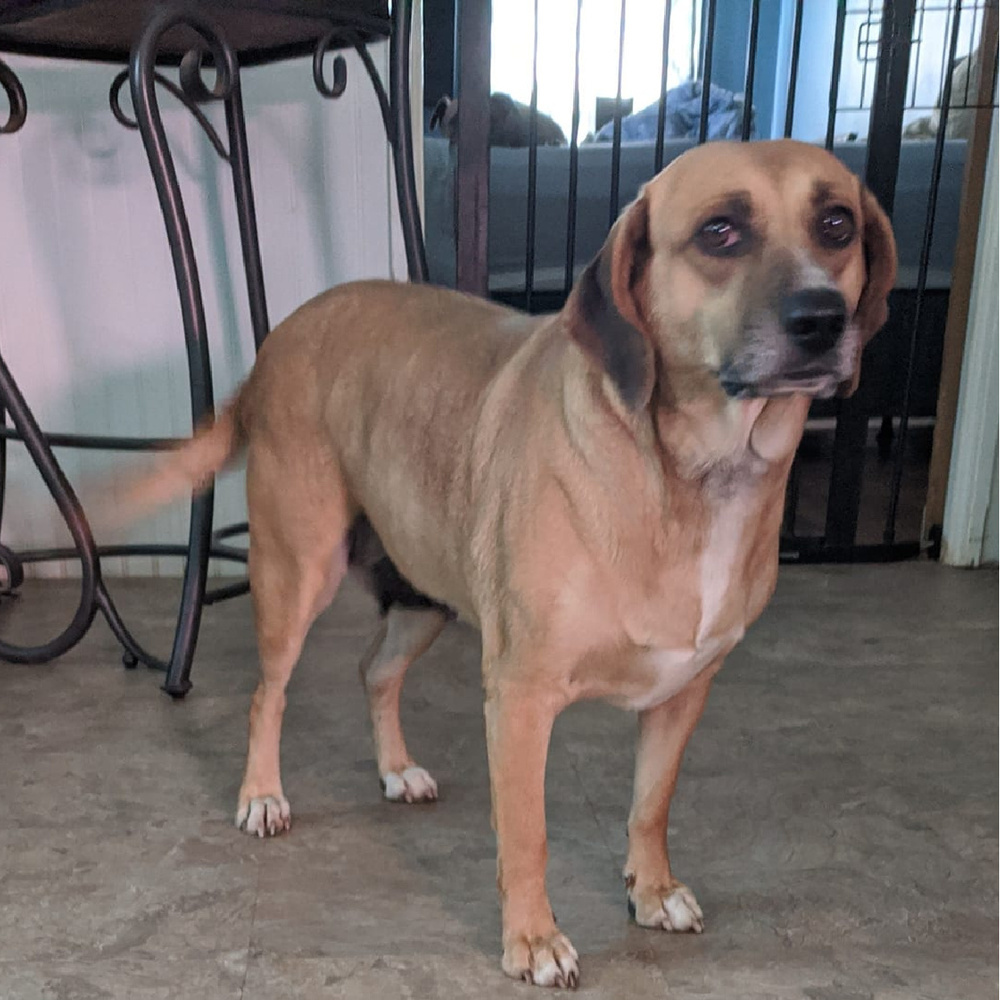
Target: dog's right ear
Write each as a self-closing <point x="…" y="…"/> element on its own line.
<point x="606" y="314"/>
<point x="437" y="116"/>
<point x="879" y="247"/>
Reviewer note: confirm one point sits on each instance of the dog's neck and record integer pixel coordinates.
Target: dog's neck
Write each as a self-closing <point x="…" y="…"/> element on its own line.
<point x="695" y="433"/>
<point x="712" y="433"/>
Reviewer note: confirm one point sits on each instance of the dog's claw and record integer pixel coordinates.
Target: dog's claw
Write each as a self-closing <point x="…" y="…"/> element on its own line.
<point x="673" y="908"/>
<point x="266" y="816"/>
<point x="413" y="784"/>
<point x="543" y="961"/>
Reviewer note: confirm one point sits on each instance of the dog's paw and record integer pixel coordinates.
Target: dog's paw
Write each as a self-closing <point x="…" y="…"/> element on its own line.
<point x="668" y="908"/>
<point x="266" y="816"/>
<point x="413" y="784"/>
<point x="548" y="960"/>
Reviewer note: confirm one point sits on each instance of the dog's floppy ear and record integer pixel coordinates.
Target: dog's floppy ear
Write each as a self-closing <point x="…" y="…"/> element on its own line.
<point x="606" y="312"/>
<point x="880" y="277"/>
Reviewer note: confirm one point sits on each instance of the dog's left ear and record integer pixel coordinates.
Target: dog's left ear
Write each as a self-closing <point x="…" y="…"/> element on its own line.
<point x="880" y="269"/>
<point x="607" y="314"/>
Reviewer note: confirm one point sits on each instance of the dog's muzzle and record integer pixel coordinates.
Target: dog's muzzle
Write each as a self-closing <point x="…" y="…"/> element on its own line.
<point x="802" y="347"/>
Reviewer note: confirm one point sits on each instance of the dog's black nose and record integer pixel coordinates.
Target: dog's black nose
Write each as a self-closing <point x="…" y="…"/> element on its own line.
<point x="814" y="318"/>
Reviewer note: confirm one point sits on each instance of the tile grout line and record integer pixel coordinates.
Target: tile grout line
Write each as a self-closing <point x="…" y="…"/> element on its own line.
<point x="253" y="922"/>
<point x="593" y="810"/>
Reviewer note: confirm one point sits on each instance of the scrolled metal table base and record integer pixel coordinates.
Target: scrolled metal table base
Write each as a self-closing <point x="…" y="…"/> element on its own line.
<point x="192" y="91"/>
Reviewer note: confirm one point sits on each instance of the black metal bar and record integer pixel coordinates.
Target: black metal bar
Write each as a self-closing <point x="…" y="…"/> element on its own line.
<point x="239" y="161"/>
<point x="793" y="69"/>
<point x="402" y="139"/>
<point x="750" y="70"/>
<point x="529" y="228"/>
<point x="805" y="551"/>
<point x="72" y="513"/>
<point x="706" y="74"/>
<point x="227" y="592"/>
<point x="16" y="115"/>
<point x="616" y="138"/>
<point x="885" y="128"/>
<point x="889" y="533"/>
<point x="384" y="102"/>
<point x="885" y="133"/>
<point x="175" y="549"/>
<point x="230" y="530"/>
<point x="574" y="161"/>
<point x="3" y="463"/>
<point x="133" y="652"/>
<point x="996" y="70"/>
<point x="918" y="51"/>
<point x="395" y="109"/>
<point x="142" y="69"/>
<point x="838" y="59"/>
<point x="661" y="113"/>
<point x="864" y="62"/>
<point x="791" y="500"/>
<point x="472" y="184"/>
<point x="96" y="442"/>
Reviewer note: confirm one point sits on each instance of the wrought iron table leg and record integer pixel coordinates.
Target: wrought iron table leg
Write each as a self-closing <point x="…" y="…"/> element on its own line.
<point x="400" y="137"/>
<point x="72" y="513"/>
<point x="395" y="108"/>
<point x="93" y="595"/>
<point x="143" y="80"/>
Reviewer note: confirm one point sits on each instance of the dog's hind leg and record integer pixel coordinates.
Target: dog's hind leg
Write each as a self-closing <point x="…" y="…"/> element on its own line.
<point x="298" y="556"/>
<point x="406" y="633"/>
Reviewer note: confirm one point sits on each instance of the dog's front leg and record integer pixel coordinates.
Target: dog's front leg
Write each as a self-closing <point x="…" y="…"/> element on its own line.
<point x="518" y="726"/>
<point x="655" y="897"/>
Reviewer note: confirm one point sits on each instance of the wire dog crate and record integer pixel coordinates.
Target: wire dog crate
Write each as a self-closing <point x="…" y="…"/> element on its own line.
<point x="902" y="91"/>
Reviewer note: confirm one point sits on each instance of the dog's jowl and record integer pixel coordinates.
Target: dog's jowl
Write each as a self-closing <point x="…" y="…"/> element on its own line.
<point x="600" y="491"/>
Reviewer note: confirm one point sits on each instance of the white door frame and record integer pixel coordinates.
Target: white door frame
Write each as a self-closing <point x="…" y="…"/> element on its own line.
<point x="970" y="504"/>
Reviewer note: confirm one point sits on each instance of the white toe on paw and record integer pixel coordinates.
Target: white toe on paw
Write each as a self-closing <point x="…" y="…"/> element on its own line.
<point x="265" y="816"/>
<point x="682" y="911"/>
<point x="413" y="784"/>
<point x="543" y="961"/>
<point x="669" y="909"/>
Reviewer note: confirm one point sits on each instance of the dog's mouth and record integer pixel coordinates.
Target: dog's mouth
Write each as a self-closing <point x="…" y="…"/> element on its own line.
<point x="768" y="365"/>
<point x="820" y="383"/>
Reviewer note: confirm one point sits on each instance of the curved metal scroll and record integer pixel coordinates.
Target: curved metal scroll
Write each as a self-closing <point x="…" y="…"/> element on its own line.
<point x="18" y="106"/>
<point x="121" y="116"/>
<point x="395" y="108"/>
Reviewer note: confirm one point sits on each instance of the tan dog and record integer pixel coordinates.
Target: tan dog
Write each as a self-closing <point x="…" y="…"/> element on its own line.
<point x="600" y="491"/>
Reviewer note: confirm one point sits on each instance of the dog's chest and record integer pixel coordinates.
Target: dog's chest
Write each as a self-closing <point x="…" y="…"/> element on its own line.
<point x="697" y="615"/>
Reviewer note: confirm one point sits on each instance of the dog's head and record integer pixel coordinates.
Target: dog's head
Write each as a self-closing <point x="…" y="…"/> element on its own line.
<point x="758" y="268"/>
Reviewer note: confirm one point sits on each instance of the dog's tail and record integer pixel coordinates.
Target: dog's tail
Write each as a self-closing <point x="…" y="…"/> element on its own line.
<point x="186" y="469"/>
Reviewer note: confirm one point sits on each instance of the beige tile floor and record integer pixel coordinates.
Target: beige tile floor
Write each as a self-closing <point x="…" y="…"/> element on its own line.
<point x="837" y="814"/>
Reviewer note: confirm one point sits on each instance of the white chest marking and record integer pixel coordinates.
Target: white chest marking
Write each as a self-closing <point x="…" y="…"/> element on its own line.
<point x="721" y="623"/>
<point x="720" y="572"/>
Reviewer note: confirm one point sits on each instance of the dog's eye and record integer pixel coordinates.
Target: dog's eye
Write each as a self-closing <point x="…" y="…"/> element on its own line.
<point x="836" y="227"/>
<point x="720" y="238"/>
